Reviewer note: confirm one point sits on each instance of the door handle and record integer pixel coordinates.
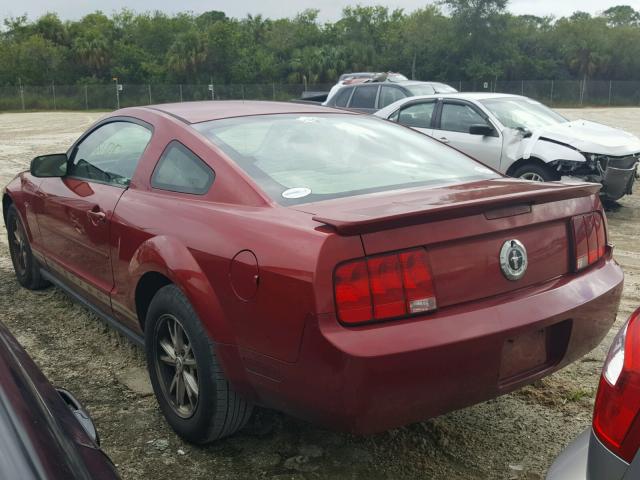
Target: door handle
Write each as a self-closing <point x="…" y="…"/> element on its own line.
<point x="444" y="139"/>
<point x="96" y="216"/>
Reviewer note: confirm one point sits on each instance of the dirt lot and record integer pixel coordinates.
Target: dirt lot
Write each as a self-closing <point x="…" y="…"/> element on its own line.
<point x="513" y="437"/>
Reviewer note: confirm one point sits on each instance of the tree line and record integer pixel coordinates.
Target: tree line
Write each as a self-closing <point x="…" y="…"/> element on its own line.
<point x="446" y="41"/>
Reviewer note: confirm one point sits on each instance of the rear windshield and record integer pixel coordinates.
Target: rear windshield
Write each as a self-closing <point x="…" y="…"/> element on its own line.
<point x="300" y="158"/>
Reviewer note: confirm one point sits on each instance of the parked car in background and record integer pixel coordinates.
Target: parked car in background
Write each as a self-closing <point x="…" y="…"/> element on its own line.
<point x="351" y="79"/>
<point x="45" y="434"/>
<point x="368" y="97"/>
<point x="523" y="138"/>
<point x="313" y="260"/>
<point x="610" y="450"/>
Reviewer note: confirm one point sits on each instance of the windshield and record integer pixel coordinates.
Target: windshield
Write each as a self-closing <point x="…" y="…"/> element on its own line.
<point x="298" y="158"/>
<point x="518" y="112"/>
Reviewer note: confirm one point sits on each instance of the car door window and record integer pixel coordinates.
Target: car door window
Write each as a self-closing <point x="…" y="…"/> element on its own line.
<point x="417" y="115"/>
<point x="342" y="97"/>
<point x="364" y="97"/>
<point x="458" y="117"/>
<point x="388" y="95"/>
<point x="110" y="154"/>
<point x="181" y="170"/>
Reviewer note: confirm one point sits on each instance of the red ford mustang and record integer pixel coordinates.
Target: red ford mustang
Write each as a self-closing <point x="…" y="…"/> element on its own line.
<point x="335" y="266"/>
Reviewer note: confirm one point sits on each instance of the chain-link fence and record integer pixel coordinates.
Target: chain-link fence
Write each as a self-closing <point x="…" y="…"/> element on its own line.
<point x="559" y="93"/>
<point x="110" y="97"/>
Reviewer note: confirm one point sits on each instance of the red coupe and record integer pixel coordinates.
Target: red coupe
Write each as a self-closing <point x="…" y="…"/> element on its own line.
<point x="335" y="266"/>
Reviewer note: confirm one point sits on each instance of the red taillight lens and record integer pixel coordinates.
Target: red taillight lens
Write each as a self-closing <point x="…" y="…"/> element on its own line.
<point x="353" y="294"/>
<point x="616" y="419"/>
<point x="589" y="239"/>
<point x="418" y="284"/>
<point x="385" y="286"/>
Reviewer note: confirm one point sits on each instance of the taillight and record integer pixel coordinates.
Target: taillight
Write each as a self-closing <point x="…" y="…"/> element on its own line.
<point x="589" y="239"/>
<point x="616" y="419"/>
<point x="384" y="286"/>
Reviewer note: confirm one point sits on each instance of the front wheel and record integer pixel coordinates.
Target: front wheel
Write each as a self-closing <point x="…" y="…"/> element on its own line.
<point x="193" y="394"/>
<point x="535" y="173"/>
<point x="25" y="264"/>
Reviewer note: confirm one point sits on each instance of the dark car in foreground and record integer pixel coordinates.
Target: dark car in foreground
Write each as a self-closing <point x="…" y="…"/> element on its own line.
<point x="45" y="434"/>
<point x="610" y="450"/>
<point x="335" y="266"/>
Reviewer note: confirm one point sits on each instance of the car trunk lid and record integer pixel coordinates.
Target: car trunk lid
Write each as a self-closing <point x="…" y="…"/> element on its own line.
<point x="464" y="228"/>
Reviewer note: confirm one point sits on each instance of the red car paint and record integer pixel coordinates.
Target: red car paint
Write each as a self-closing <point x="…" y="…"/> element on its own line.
<point x="260" y="275"/>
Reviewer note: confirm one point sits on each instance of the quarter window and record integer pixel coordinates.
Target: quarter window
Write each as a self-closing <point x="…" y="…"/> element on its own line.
<point x="417" y="115"/>
<point x="180" y="170"/>
<point x="457" y="117"/>
<point x="364" y="97"/>
<point x="110" y="154"/>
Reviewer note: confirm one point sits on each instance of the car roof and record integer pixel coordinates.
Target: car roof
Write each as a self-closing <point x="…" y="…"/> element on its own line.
<point x="467" y="95"/>
<point x="203" y="111"/>
<point x="474" y="96"/>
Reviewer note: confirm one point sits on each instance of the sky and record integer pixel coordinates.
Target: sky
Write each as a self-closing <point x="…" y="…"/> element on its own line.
<point x="329" y="9"/>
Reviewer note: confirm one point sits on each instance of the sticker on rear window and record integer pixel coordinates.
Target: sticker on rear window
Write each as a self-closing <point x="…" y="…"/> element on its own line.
<point x="297" y="192"/>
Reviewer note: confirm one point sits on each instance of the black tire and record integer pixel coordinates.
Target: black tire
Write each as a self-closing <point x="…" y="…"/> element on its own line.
<point x="217" y="411"/>
<point x="25" y="265"/>
<point x="536" y="170"/>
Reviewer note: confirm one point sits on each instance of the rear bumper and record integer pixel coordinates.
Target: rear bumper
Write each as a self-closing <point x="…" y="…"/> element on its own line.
<point x="382" y="376"/>
<point x="586" y="458"/>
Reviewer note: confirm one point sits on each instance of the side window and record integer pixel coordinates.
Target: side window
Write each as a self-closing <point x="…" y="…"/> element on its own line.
<point x="458" y="117"/>
<point x="111" y="153"/>
<point x="364" y="97"/>
<point x="342" y="97"/>
<point x="180" y="170"/>
<point x="388" y="95"/>
<point x="417" y="115"/>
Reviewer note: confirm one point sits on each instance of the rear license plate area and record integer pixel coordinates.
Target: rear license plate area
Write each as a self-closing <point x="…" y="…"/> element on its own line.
<point x="533" y="351"/>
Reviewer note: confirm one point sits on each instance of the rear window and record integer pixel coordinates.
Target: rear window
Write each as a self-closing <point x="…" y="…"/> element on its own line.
<point x="298" y="158"/>
<point x="418" y="90"/>
<point x="342" y="97"/>
<point x="364" y="97"/>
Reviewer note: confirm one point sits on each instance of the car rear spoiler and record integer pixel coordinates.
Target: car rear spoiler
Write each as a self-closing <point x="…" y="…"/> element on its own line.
<point x="399" y="214"/>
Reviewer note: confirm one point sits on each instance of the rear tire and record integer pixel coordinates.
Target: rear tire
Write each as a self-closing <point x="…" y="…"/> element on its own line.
<point x="25" y="265"/>
<point x="188" y="381"/>
<point x="535" y="172"/>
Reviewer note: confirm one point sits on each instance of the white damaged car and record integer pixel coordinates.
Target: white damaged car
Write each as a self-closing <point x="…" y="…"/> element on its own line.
<point x="523" y="138"/>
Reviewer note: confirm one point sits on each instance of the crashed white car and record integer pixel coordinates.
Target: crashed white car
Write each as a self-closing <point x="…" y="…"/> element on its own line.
<point x="521" y="137"/>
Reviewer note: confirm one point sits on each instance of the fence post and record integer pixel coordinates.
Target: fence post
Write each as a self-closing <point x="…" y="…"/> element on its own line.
<point x="149" y="86"/>
<point x="459" y="85"/>
<point x="115" y="79"/>
<point x="86" y="98"/>
<point x="273" y="87"/>
<point x="180" y="93"/>
<point x="551" y="95"/>
<point x="53" y="89"/>
<point x="21" y="92"/>
<point x="242" y="90"/>
<point x="522" y="87"/>
<point x="581" y="83"/>
<point x="609" y="92"/>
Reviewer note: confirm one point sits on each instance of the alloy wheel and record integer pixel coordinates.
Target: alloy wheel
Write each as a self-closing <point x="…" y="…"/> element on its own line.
<point x="532" y="176"/>
<point x="19" y="246"/>
<point x="176" y="366"/>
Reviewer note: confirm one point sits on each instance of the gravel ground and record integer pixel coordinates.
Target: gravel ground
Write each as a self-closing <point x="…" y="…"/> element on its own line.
<point x="513" y="437"/>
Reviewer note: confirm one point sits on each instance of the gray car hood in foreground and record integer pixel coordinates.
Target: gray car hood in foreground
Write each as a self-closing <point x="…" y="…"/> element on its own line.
<point x="586" y="136"/>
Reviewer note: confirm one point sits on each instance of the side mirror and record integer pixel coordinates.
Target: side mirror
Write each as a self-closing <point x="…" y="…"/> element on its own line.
<point x="481" y="129"/>
<point x="54" y="165"/>
<point x="81" y="415"/>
